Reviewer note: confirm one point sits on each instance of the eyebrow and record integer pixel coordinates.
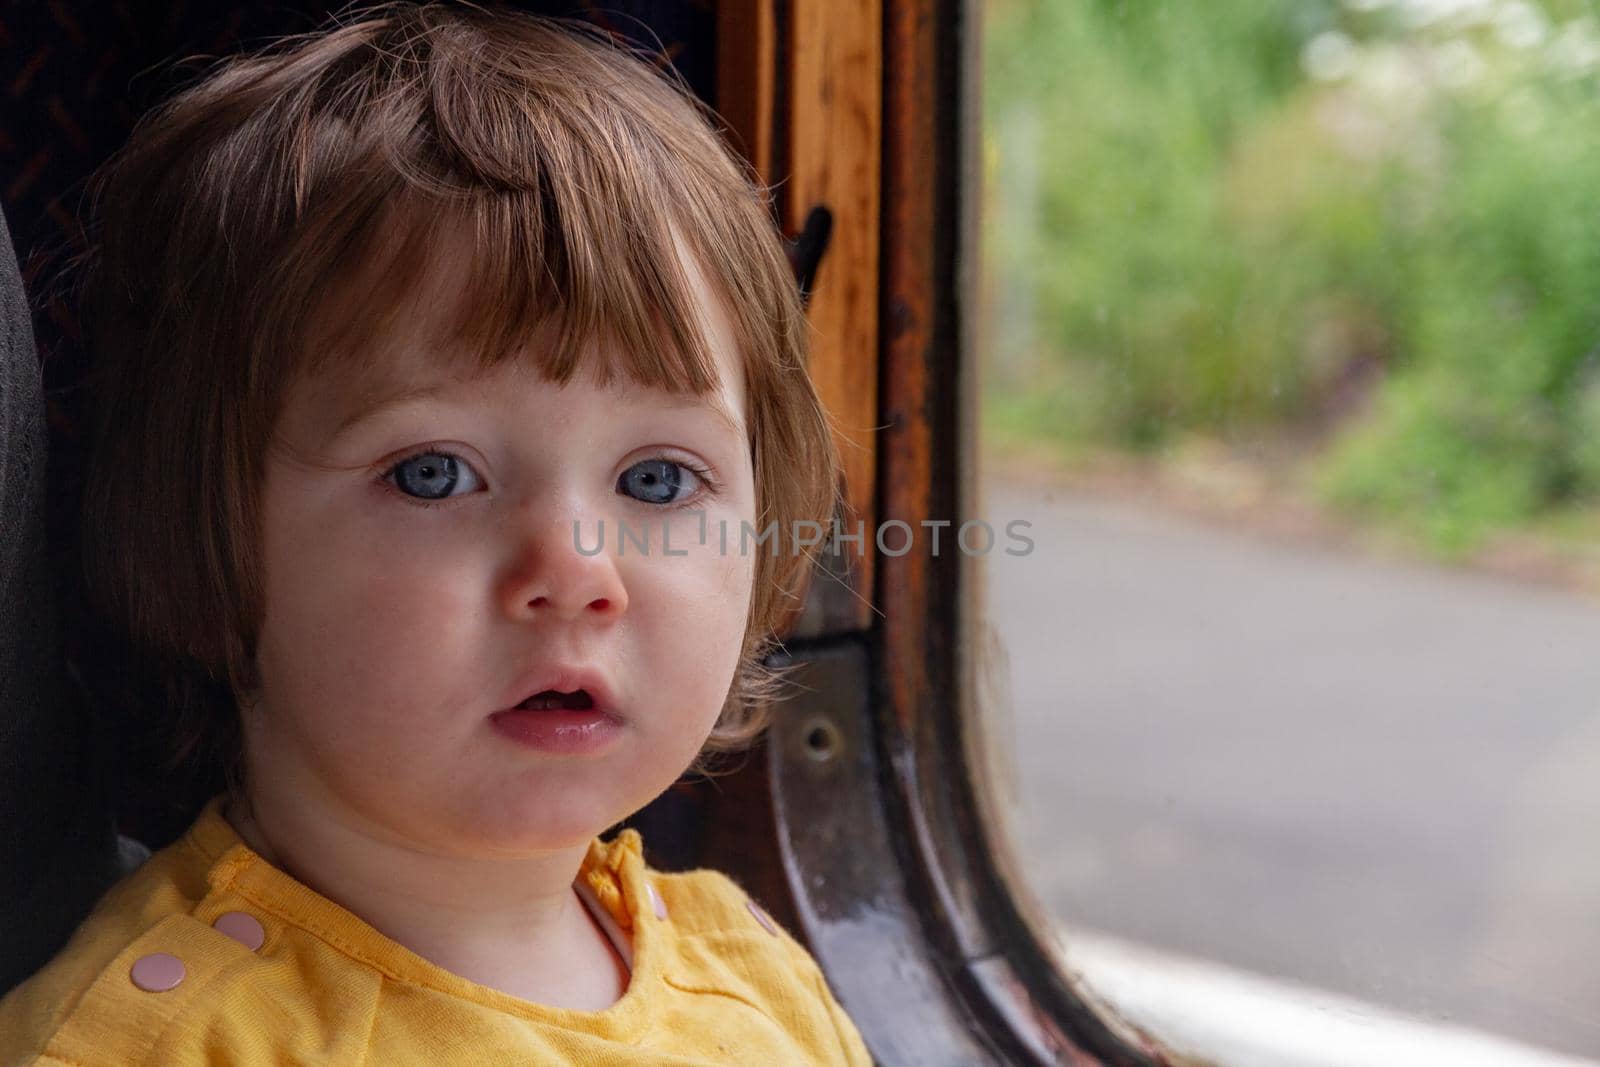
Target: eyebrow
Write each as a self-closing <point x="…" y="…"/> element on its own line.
<point x="393" y="400"/>
<point x="711" y="401"/>
<point x="716" y="406"/>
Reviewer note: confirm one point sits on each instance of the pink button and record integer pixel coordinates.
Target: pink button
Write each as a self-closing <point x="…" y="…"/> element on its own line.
<point x="761" y="917"/>
<point x="243" y="928"/>
<point x="655" y="899"/>
<point x="157" y="972"/>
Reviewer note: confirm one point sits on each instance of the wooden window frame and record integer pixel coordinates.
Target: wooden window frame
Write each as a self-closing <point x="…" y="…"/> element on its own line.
<point x="873" y="782"/>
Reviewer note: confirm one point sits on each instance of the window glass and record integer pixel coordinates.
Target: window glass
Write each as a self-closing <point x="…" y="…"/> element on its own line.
<point x="1290" y="358"/>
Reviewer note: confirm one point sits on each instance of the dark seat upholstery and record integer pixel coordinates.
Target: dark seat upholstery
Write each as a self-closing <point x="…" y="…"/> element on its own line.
<point x="57" y="844"/>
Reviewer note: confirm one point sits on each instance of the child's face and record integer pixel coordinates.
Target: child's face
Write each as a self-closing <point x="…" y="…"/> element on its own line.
<point x="393" y="630"/>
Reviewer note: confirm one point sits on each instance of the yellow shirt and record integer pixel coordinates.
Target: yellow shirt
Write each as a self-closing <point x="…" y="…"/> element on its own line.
<point x="714" y="979"/>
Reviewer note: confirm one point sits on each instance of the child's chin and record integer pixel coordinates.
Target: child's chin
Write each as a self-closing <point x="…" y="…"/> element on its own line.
<point x="536" y="828"/>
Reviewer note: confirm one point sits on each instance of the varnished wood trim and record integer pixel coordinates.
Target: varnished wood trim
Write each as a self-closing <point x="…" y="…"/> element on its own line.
<point x="931" y="727"/>
<point x="834" y="80"/>
<point x="747" y="65"/>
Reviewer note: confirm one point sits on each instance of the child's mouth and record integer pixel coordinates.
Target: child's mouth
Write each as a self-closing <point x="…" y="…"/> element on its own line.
<point x="551" y="700"/>
<point x="563" y="723"/>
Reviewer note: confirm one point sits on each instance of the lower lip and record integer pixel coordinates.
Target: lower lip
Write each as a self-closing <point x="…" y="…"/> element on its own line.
<point x="570" y="733"/>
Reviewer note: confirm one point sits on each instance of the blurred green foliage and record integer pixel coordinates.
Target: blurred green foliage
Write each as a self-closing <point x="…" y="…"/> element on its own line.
<point x="1377" y="221"/>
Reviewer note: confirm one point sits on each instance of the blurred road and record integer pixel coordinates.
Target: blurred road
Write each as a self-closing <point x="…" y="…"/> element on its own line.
<point x="1376" y="778"/>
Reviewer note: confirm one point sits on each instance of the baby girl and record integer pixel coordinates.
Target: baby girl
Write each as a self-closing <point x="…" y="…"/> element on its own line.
<point x="384" y="318"/>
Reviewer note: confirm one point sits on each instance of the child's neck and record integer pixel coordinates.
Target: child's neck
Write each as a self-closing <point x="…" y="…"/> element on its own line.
<point x="557" y="956"/>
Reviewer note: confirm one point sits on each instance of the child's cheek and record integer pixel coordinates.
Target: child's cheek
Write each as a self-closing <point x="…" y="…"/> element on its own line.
<point x="365" y="609"/>
<point x="707" y="591"/>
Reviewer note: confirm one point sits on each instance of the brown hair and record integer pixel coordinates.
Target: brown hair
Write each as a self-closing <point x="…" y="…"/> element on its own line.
<point x="248" y="202"/>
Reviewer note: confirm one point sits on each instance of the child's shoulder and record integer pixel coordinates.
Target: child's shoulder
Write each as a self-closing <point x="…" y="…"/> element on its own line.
<point x="718" y="924"/>
<point x="707" y="901"/>
<point x="700" y="901"/>
<point x="728" y="944"/>
<point x="85" y="1006"/>
<point x="168" y="958"/>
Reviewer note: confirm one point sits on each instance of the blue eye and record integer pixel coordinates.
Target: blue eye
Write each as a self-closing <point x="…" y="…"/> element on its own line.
<point x="658" y="481"/>
<point x="430" y="475"/>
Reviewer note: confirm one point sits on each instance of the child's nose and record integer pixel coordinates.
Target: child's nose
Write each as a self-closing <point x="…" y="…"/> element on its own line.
<point x="555" y="573"/>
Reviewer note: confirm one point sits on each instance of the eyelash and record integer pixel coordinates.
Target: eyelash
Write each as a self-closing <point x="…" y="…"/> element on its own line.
<point x="708" y="486"/>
